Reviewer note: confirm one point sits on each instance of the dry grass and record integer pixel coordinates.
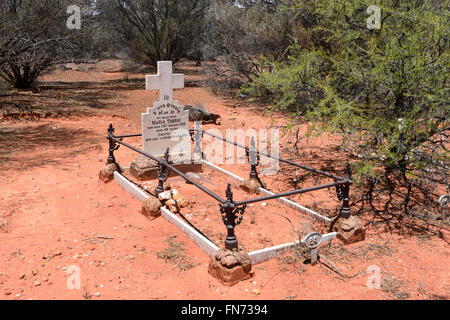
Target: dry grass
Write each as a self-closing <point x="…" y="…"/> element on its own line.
<point x="86" y="294"/>
<point x="422" y="289"/>
<point x="394" y="287"/>
<point x="296" y="259"/>
<point x="366" y="251"/>
<point x="174" y="255"/>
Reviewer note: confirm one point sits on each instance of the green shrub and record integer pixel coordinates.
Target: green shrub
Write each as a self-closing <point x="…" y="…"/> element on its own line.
<point x="385" y="91"/>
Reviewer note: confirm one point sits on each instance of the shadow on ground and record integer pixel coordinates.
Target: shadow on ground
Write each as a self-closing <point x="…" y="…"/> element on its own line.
<point x="27" y="147"/>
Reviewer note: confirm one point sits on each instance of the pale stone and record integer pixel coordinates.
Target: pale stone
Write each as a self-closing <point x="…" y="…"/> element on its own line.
<point x="164" y="196"/>
<point x="170" y="202"/>
<point x="181" y="201"/>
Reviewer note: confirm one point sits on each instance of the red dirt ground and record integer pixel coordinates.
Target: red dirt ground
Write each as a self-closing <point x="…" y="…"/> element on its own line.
<point x="54" y="213"/>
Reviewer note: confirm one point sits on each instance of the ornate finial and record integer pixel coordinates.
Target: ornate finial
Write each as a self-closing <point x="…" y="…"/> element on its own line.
<point x="229" y="193"/>
<point x="166" y="155"/>
<point x="348" y="171"/>
<point x="111" y="129"/>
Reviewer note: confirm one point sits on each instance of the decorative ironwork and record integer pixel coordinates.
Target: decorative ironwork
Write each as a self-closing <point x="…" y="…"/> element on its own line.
<point x="340" y="191"/>
<point x="113" y="146"/>
<point x="313" y="240"/>
<point x="292" y="163"/>
<point x="253" y="159"/>
<point x="163" y="173"/>
<point x="232" y="216"/>
<point x="444" y="201"/>
<point x="198" y="135"/>
<point x="343" y="194"/>
<point x="233" y="211"/>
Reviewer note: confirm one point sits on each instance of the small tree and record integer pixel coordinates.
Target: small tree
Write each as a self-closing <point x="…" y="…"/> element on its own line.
<point x="242" y="31"/>
<point x="34" y="37"/>
<point x="384" y="90"/>
<point x="153" y="30"/>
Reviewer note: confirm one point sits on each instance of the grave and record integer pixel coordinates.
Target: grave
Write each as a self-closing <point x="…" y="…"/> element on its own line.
<point x="165" y="126"/>
<point x="230" y="263"/>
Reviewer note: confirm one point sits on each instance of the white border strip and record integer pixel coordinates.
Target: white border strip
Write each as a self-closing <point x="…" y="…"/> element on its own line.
<point x="287" y="202"/>
<point x="129" y="187"/>
<point x="265" y="254"/>
<point x="205" y="244"/>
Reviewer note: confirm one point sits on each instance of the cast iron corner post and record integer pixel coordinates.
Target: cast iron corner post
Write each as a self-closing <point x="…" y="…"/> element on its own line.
<point x="232" y="216"/>
<point x="253" y="159"/>
<point x="163" y="174"/>
<point x="113" y="146"/>
<point x="344" y="194"/>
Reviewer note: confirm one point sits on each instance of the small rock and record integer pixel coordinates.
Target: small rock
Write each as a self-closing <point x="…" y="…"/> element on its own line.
<point x="173" y="209"/>
<point x="51" y="255"/>
<point x="171" y="202"/>
<point x="229" y="261"/>
<point x="107" y="173"/>
<point x="350" y="230"/>
<point x="151" y="208"/>
<point x="251" y="186"/>
<point x="37" y="283"/>
<point x="180" y="200"/>
<point x="164" y="196"/>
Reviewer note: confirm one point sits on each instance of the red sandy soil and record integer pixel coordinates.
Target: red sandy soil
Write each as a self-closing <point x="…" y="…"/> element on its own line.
<point x="54" y="213"/>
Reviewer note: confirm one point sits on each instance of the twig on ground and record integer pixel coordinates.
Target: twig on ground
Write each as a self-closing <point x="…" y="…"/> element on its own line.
<point x="106" y="238"/>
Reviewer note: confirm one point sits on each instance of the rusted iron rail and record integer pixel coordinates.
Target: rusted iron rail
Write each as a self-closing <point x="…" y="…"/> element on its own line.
<point x="165" y="163"/>
<point x="292" y="163"/>
<point x="232" y="211"/>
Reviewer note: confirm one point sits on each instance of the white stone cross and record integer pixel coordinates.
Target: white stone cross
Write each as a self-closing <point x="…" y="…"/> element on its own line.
<point x="165" y="81"/>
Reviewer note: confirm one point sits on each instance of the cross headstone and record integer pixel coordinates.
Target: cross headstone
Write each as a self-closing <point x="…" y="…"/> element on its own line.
<point x="166" y="124"/>
<point x="165" y="81"/>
